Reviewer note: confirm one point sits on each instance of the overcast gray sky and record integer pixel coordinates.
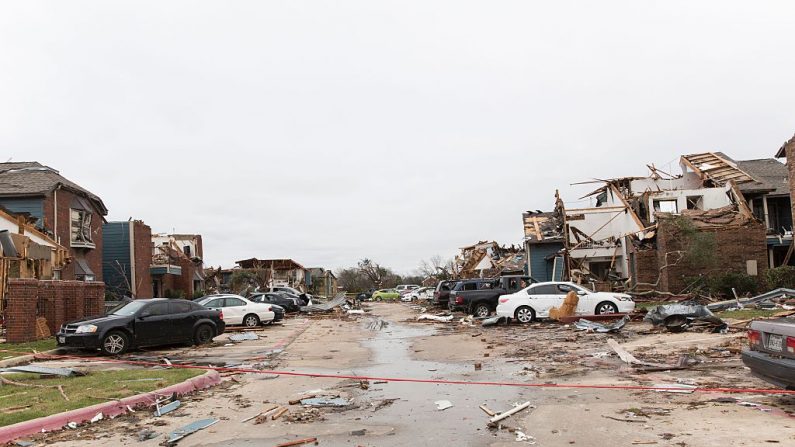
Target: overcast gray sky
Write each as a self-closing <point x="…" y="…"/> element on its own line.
<point x="328" y="131"/>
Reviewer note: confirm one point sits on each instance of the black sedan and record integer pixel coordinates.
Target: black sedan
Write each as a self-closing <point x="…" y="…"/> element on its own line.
<point x="152" y="322"/>
<point x="290" y="304"/>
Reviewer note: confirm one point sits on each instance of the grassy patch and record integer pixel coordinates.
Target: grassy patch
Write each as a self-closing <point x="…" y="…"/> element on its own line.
<point x="747" y="314"/>
<point x="649" y="304"/>
<point x="18" y="403"/>
<point x="8" y="350"/>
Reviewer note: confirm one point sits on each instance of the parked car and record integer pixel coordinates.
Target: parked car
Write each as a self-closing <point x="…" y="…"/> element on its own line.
<point x="385" y="295"/>
<point x="403" y="289"/>
<point x="441" y="296"/>
<point x="423" y="293"/>
<point x="480" y="297"/>
<point x="771" y="352"/>
<point x="365" y="296"/>
<point x="305" y="298"/>
<point x="535" y="301"/>
<point x="278" y="313"/>
<point x="289" y="303"/>
<point x="145" y="322"/>
<point x="238" y="310"/>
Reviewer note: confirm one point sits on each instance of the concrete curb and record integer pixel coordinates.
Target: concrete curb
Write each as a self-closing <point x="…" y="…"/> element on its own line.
<point x="27" y="358"/>
<point x="109" y="409"/>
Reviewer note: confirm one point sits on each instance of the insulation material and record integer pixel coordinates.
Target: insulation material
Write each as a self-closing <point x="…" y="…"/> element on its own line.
<point x="567" y="309"/>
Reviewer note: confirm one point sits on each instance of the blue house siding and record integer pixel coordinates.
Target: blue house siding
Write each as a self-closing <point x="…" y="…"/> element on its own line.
<point x="116" y="256"/>
<point x="34" y="206"/>
<point x="541" y="267"/>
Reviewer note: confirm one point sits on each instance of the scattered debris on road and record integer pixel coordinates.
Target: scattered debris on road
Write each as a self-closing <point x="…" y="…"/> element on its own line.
<point x="165" y="409"/>
<point x="244" y="336"/>
<point x="592" y="326"/>
<point x="439" y="318"/>
<point x="442" y="405"/>
<point x="182" y="432"/>
<point x="678" y="317"/>
<point x="517" y="408"/>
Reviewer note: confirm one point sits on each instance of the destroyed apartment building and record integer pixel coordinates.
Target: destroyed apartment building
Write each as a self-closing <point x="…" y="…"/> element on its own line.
<point x="488" y="259"/>
<point x="661" y="231"/>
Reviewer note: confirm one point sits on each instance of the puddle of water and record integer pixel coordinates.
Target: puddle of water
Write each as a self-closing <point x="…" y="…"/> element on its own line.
<point x="415" y="416"/>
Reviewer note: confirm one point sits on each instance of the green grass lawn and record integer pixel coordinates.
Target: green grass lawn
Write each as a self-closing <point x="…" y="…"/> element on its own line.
<point x="18" y="349"/>
<point x="650" y="304"/>
<point x="747" y="314"/>
<point x="18" y="403"/>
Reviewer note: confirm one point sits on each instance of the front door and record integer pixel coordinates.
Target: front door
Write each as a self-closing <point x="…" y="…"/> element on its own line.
<point x="152" y="324"/>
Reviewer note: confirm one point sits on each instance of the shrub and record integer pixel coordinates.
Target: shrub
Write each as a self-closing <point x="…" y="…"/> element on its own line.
<point x="783" y="276"/>
<point x="723" y="283"/>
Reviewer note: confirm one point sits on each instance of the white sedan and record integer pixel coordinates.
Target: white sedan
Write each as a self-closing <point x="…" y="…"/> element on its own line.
<point x="423" y="293"/>
<point x="536" y="300"/>
<point x="238" y="310"/>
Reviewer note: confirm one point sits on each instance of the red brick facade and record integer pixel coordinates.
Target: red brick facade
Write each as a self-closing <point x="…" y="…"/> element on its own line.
<point x="60" y="223"/>
<point x="57" y="301"/>
<point x="142" y="245"/>
<point x="734" y="247"/>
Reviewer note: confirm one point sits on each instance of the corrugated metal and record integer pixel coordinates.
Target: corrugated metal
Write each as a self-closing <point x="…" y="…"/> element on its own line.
<point x="34" y="206"/>
<point x="540" y="267"/>
<point x="116" y="248"/>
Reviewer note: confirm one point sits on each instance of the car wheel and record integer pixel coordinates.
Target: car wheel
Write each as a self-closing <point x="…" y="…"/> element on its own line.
<point x="251" y="320"/>
<point x="481" y="310"/>
<point x="525" y="314"/>
<point x="203" y="334"/>
<point x="115" y="343"/>
<point x="606" y="307"/>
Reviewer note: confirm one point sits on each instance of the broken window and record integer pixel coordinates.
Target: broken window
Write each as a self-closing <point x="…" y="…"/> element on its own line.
<point x="695" y="203"/>
<point x="186" y="250"/>
<point x="81" y="228"/>
<point x="666" y="206"/>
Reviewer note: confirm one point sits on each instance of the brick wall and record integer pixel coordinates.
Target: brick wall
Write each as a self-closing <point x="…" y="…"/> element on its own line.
<point x="57" y="301"/>
<point x="790" y="154"/>
<point x="734" y="246"/>
<point x="646" y="269"/>
<point x="93" y="256"/>
<point x="143" y="259"/>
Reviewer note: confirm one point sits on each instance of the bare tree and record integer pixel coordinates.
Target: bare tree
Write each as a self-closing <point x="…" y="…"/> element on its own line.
<point x="373" y="271"/>
<point x="437" y="267"/>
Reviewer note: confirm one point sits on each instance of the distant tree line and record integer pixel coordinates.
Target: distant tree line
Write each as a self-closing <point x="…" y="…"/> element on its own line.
<point x="368" y="274"/>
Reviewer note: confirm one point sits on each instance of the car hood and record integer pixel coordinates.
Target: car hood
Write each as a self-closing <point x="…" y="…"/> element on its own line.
<point x="99" y="319"/>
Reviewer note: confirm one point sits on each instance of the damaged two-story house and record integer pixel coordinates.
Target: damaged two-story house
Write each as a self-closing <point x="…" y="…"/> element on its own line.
<point x="68" y="213"/>
<point x="633" y="233"/>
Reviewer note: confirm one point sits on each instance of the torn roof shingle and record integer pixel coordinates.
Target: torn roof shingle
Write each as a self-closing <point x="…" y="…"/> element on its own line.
<point x="34" y="179"/>
<point x="770" y="174"/>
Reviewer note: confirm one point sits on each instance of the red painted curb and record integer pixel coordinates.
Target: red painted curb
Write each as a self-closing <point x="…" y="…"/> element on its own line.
<point x="110" y="409"/>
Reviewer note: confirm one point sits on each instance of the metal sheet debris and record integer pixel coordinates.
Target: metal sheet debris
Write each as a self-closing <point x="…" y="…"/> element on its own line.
<point x="494" y="321"/>
<point x="772" y="296"/>
<point x="168" y="408"/>
<point x="325" y="402"/>
<point x="439" y="318"/>
<point x="34" y="369"/>
<point x="97" y="418"/>
<point x="678" y="317"/>
<point x="442" y="405"/>
<point x="180" y="433"/>
<point x="592" y="326"/>
<point x="337" y="301"/>
<point x="244" y="336"/>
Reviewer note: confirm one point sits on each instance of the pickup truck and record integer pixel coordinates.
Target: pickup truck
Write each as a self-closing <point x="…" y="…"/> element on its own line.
<point x="479" y="297"/>
<point x="441" y="295"/>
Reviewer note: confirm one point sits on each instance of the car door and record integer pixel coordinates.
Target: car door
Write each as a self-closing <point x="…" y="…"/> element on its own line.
<point x="234" y="310"/>
<point x="587" y="301"/>
<point x="182" y="319"/>
<point x="152" y="324"/>
<point x="544" y="297"/>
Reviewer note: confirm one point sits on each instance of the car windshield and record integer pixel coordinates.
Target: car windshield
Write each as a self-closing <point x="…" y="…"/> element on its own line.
<point x="128" y="309"/>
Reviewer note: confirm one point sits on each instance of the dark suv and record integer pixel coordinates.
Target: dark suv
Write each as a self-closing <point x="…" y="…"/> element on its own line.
<point x="479" y="297"/>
